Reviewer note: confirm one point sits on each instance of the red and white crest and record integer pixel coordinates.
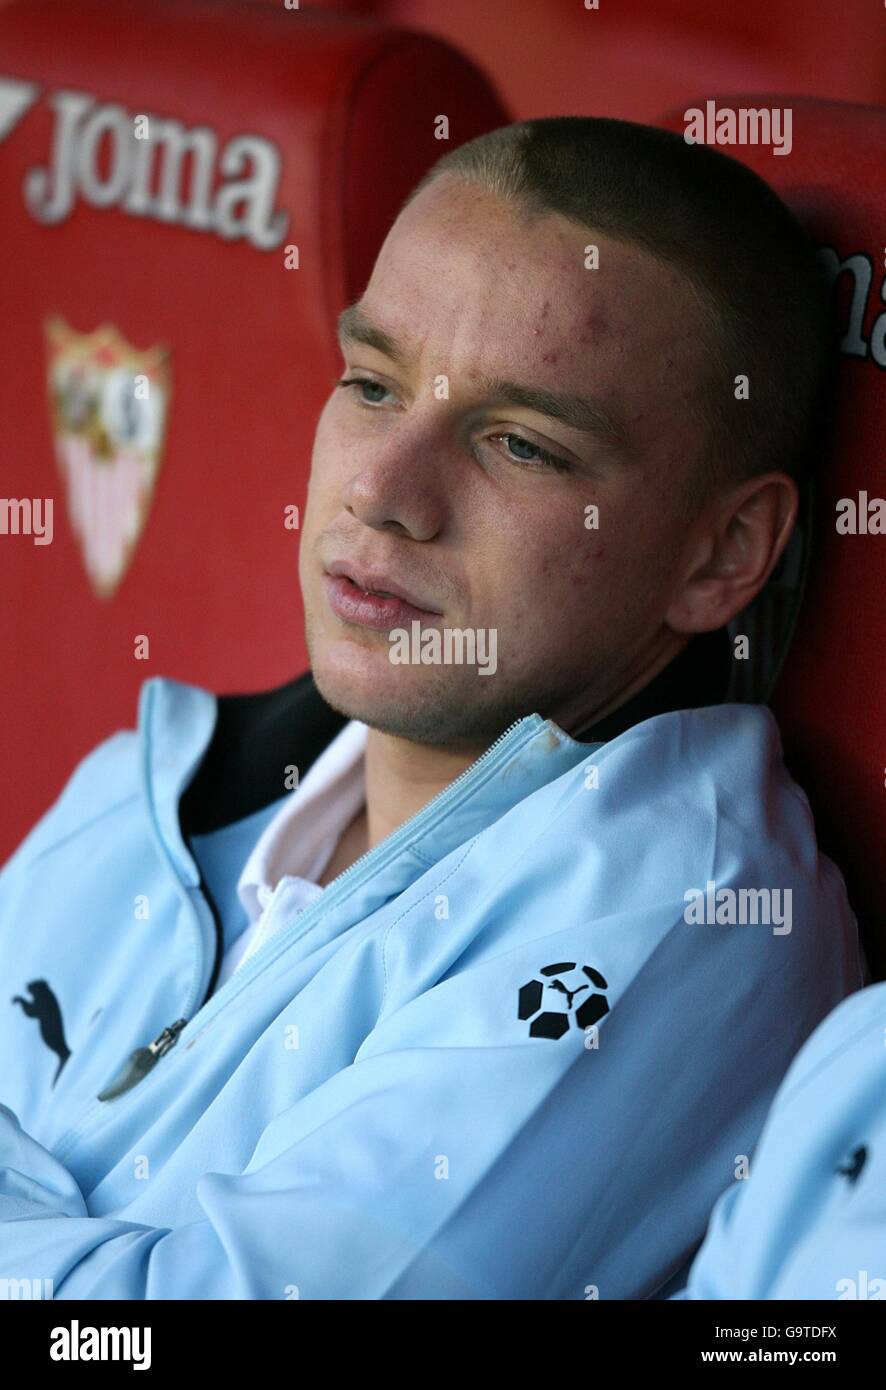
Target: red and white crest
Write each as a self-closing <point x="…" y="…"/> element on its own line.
<point x="109" y="406"/>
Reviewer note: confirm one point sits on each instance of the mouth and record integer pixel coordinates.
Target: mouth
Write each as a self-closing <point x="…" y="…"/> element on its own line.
<point x="369" y="598"/>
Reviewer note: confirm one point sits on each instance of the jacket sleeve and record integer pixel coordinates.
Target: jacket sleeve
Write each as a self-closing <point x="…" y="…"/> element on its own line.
<point x="758" y="1226"/>
<point x="435" y="1166"/>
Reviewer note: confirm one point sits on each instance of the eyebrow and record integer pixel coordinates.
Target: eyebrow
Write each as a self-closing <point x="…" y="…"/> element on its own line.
<point x="581" y="413"/>
<point x="355" y="325"/>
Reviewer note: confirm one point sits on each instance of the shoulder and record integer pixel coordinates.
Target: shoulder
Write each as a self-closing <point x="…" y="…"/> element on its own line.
<point x="721" y="767"/>
<point x="704" y="817"/>
<point x="114" y="772"/>
<point x="733" y="746"/>
<point x="105" y="778"/>
<point x="705" y="779"/>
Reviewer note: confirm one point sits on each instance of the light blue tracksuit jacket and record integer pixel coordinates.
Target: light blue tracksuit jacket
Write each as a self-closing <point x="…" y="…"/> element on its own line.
<point x="492" y="1060"/>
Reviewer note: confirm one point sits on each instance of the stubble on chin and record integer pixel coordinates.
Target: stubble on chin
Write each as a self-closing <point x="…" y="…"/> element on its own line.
<point x="433" y="706"/>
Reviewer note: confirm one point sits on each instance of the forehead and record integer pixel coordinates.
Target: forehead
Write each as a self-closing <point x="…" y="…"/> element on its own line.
<point x="467" y="280"/>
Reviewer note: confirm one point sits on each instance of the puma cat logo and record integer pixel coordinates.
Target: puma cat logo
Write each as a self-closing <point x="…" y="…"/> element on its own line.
<point x="45" y="1007"/>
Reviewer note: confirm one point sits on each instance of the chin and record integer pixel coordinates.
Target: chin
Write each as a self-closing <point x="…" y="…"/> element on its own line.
<point x="358" y="680"/>
<point x="349" y="677"/>
<point x="426" y="705"/>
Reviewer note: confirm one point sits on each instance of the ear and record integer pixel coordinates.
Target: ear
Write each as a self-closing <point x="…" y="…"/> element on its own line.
<point x="733" y="547"/>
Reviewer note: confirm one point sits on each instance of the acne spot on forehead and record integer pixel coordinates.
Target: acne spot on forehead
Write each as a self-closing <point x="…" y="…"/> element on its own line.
<point x="551" y="357"/>
<point x="583" y="572"/>
<point x="593" y="325"/>
<point x="546" y="309"/>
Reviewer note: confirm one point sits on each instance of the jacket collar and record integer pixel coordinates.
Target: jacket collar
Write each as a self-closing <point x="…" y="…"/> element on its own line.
<point x="255" y="737"/>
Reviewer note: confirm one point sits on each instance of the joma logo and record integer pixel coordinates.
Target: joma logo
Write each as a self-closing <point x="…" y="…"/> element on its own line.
<point x="140" y="163"/>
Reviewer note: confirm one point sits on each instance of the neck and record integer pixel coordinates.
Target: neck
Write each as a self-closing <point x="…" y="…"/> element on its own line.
<point x="402" y="776"/>
<point x="581" y="715"/>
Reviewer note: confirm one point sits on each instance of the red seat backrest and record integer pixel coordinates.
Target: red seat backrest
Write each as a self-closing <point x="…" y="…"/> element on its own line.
<point x="326" y="122"/>
<point x="829" y="699"/>
<point x="635" y="58"/>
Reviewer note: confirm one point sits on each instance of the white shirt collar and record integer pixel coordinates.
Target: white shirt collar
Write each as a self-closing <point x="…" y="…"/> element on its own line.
<point x="299" y="841"/>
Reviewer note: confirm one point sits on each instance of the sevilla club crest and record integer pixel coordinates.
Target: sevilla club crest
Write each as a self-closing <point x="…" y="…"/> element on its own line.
<point x="109" y="405"/>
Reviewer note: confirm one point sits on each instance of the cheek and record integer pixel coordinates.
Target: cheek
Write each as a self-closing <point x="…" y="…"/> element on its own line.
<point x="330" y="438"/>
<point x="562" y="589"/>
<point x="586" y="579"/>
<point x="607" y="573"/>
<point x="324" y="483"/>
<point x="333" y="447"/>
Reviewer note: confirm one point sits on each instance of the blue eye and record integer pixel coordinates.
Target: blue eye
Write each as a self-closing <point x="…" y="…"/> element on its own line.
<point x="535" y="455"/>
<point x="362" y="382"/>
<point x="520" y="450"/>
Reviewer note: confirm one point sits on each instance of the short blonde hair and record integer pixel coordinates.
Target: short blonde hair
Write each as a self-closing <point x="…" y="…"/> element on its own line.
<point x="761" y="287"/>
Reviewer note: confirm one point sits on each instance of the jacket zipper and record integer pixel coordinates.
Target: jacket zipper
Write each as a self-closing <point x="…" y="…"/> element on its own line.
<point x="219" y="938"/>
<point x="143" y="1060"/>
<point x="329" y="898"/>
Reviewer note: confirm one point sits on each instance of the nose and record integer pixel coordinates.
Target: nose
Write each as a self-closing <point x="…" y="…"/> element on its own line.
<point x="400" y="484"/>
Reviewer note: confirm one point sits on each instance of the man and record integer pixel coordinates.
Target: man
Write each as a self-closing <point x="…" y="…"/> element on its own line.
<point x="488" y="1005"/>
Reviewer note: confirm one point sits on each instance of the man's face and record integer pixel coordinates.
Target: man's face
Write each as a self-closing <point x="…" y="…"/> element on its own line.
<point x="432" y="477"/>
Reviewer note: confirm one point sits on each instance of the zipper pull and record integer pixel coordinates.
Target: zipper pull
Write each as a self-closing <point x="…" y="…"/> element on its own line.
<point x="142" y="1060"/>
